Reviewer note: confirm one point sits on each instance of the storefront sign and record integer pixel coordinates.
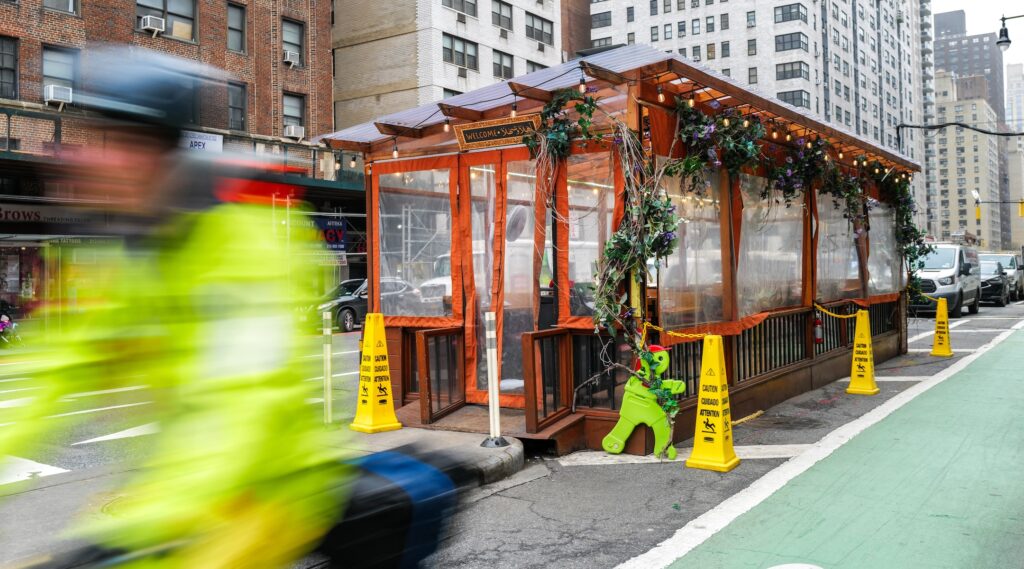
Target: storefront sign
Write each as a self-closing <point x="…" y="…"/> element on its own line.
<point x="25" y="213"/>
<point x="498" y="132"/>
<point x="202" y="141"/>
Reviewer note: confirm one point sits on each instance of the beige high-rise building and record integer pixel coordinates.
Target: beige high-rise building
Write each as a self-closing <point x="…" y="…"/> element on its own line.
<point x="1015" y="172"/>
<point x="968" y="165"/>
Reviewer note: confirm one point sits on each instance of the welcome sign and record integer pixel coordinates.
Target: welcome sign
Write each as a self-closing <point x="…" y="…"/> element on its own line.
<point x="497" y="132"/>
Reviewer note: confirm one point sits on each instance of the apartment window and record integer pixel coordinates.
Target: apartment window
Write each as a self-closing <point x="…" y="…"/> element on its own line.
<point x="503" y="61"/>
<point x="458" y="51"/>
<point x="695" y="3"/>
<point x="752" y="75"/>
<point x="464" y="6"/>
<point x="682" y="51"/>
<point x="532" y="66"/>
<point x="501" y="14"/>
<point x="695" y="26"/>
<point x="709" y="2"/>
<point x="751" y="19"/>
<point x="786" y="42"/>
<point x="709" y="24"/>
<point x="631" y="38"/>
<point x="846" y="93"/>
<point x="751" y="47"/>
<point x="654" y="33"/>
<point x="59" y="67"/>
<point x="236" y="106"/>
<point x="681" y="5"/>
<point x="696" y="53"/>
<point x="794" y="70"/>
<point x="726" y="71"/>
<point x="539" y="29"/>
<point x="797" y="98"/>
<point x="236" y="27"/>
<point x="8" y="68"/>
<point x="725" y="49"/>
<point x="294" y="110"/>
<point x="668" y="31"/>
<point x="666" y="7"/>
<point x="681" y="29"/>
<point x="790" y="12"/>
<point x="838" y="87"/>
<point x="723" y="22"/>
<point x="70" y="6"/>
<point x="179" y="16"/>
<point x="629" y="14"/>
<point x="601" y="20"/>
<point x="711" y="51"/>
<point x="292" y="38"/>
<point x="654" y="7"/>
<point x="448" y="93"/>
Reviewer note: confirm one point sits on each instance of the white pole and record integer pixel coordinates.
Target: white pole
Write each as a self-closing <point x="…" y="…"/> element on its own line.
<point x="328" y="348"/>
<point x="491" y="334"/>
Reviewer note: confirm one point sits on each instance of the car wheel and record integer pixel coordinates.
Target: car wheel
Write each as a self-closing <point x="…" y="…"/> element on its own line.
<point x="973" y="308"/>
<point x="346" y="320"/>
<point x="958" y="307"/>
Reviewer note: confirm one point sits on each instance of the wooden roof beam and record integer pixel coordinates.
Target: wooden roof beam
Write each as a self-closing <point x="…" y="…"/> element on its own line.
<point x="361" y="147"/>
<point x="602" y="74"/>
<point x="460" y="112"/>
<point x="527" y="92"/>
<point x="399" y="130"/>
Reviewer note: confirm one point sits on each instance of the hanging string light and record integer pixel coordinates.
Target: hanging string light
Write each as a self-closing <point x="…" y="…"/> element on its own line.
<point x="352" y="161"/>
<point x="746" y="123"/>
<point x="661" y="94"/>
<point x="841" y="155"/>
<point x="583" y="82"/>
<point x="447" y="124"/>
<point x="789" y="137"/>
<point x="515" y="106"/>
<point x="691" y="103"/>
<point x="394" y="149"/>
<point x="725" y="121"/>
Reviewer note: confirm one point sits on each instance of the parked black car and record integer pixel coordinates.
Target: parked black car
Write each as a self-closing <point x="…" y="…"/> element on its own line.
<point x="348" y="301"/>
<point x="995" y="284"/>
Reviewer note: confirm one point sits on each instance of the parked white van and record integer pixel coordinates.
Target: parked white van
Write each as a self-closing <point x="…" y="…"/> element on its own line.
<point x="952" y="272"/>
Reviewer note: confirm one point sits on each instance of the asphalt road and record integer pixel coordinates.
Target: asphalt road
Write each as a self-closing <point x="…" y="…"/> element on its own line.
<point x="113" y="426"/>
<point x="589" y="511"/>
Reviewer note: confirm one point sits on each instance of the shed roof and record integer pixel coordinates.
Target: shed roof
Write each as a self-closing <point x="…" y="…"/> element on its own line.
<point x="629" y="63"/>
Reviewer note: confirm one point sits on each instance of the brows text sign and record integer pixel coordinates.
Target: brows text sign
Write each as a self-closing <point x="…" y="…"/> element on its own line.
<point x="497" y="132"/>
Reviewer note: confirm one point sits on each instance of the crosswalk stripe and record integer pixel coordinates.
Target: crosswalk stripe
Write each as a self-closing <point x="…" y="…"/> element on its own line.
<point x="105" y="391"/>
<point x="14" y="469"/>
<point x="141" y="430"/>
<point x="84" y="411"/>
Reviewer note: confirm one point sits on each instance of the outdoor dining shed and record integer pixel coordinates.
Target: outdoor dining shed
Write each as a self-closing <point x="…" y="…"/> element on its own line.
<point x="506" y="199"/>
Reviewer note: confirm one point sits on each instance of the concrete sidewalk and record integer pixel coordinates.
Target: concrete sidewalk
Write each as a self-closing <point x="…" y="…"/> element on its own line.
<point x="34" y="515"/>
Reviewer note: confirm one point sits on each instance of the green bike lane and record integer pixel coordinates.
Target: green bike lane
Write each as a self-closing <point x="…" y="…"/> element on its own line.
<point x="936" y="483"/>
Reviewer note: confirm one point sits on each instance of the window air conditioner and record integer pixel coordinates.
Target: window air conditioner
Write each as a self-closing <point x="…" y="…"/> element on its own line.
<point x="460" y="18"/>
<point x="462" y="72"/>
<point x="57" y="94"/>
<point x="153" y="24"/>
<point x="503" y="33"/>
<point x="295" y="131"/>
<point x="291" y="58"/>
<point x="540" y="46"/>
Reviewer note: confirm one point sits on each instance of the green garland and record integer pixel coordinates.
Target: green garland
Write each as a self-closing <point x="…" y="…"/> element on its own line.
<point x="737" y="137"/>
<point x="895" y="190"/>
<point x="557" y="130"/>
<point x="802" y="166"/>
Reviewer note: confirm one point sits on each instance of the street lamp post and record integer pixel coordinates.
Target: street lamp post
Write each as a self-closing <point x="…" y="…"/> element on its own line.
<point x="1004" y="35"/>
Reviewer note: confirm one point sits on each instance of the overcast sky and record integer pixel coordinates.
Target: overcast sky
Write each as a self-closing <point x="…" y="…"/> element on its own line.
<point x="983" y="17"/>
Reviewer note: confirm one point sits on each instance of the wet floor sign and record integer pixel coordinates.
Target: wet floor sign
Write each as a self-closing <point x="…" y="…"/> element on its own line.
<point x="375" y="409"/>
<point x="712" y="437"/>
<point x="940" y="344"/>
<point x="862" y="368"/>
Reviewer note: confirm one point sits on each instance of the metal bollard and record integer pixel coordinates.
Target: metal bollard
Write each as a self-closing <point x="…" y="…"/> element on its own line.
<point x="495" y="440"/>
<point x="328" y="349"/>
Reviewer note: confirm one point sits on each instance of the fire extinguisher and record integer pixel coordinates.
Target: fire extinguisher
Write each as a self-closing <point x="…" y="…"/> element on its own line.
<point x="819" y="333"/>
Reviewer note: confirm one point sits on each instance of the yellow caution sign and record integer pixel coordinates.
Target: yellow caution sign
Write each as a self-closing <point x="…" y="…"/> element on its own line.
<point x="712" y="438"/>
<point x="862" y="369"/>
<point x="375" y="410"/>
<point x="940" y="345"/>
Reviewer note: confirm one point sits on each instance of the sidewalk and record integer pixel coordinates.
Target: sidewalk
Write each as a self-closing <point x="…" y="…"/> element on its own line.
<point x="33" y="517"/>
<point x="937" y="483"/>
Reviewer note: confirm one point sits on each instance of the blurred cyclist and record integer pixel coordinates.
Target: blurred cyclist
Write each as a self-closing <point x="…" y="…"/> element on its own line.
<point x="197" y="300"/>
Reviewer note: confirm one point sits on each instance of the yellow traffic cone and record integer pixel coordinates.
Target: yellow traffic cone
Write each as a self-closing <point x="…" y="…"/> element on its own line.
<point x="712" y="438"/>
<point x="862" y="368"/>
<point x="940" y="344"/>
<point x="375" y="410"/>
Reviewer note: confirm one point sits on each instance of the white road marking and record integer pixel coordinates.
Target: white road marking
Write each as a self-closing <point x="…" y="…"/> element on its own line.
<point x="84" y="411"/>
<point x="14" y="469"/>
<point x="15" y="379"/>
<point x="711" y="522"/>
<point x="314" y="400"/>
<point x="333" y="354"/>
<point x="19" y="390"/>
<point x="11" y="403"/>
<point x="20" y="363"/>
<point x="321" y="378"/>
<point x="928" y="350"/>
<point x="104" y="392"/>
<point x="932" y="331"/>
<point x="748" y="452"/>
<point x="981" y="330"/>
<point x="141" y="430"/>
<point x="996" y="318"/>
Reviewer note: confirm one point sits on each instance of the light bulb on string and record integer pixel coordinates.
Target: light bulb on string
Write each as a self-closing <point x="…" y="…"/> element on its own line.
<point x="447" y="124"/>
<point x="583" y="83"/>
<point x="691" y="102"/>
<point x="352" y="161"/>
<point x="808" y="144"/>
<point x="661" y="94"/>
<point x="514" y="106"/>
<point x="789" y="137"/>
<point x="394" y="150"/>
<point x="827" y="158"/>
<point x="746" y="123"/>
<point x="725" y="121"/>
<point x="775" y="133"/>
<point x="840" y="155"/>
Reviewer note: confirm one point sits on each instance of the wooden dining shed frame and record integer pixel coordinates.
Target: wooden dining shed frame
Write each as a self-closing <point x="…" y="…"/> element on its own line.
<point x="475" y="200"/>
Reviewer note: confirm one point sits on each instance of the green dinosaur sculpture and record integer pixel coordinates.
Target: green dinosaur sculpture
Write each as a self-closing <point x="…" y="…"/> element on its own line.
<point x="640" y="406"/>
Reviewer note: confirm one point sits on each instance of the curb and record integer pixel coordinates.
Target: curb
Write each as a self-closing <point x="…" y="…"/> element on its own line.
<point x="502" y="463"/>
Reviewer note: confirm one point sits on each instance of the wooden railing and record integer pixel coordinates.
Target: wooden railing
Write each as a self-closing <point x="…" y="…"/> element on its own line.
<point x="547" y="367"/>
<point x="837" y="332"/>
<point x="780" y="340"/>
<point x="684" y="364"/>
<point x="442" y="389"/>
<point x="594" y="384"/>
<point x="884" y="317"/>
